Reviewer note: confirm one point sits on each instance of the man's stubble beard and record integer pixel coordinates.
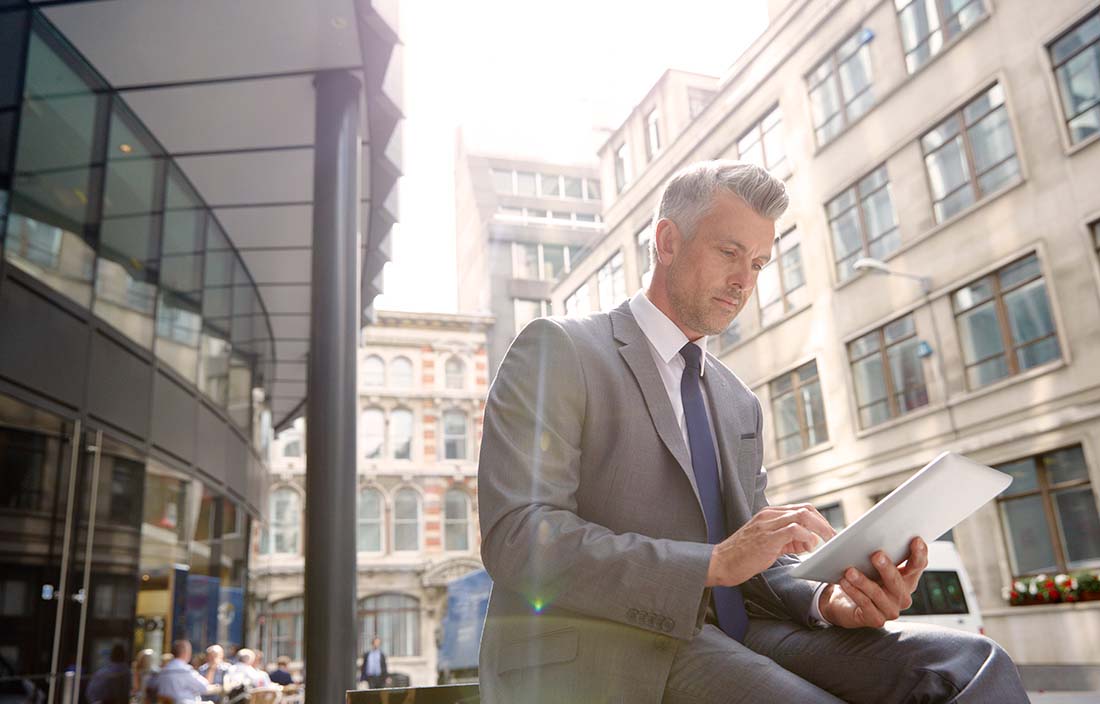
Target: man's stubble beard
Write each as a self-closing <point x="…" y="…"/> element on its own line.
<point x="692" y="311"/>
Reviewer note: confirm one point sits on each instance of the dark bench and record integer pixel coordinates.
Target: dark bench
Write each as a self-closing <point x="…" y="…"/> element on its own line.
<point x="443" y="694"/>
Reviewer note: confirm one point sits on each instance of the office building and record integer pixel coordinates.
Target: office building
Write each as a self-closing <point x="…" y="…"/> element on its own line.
<point x="521" y="225"/>
<point x="955" y="145"/>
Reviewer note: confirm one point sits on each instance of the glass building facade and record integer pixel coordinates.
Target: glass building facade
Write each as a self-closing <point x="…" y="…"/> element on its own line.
<point x="135" y="354"/>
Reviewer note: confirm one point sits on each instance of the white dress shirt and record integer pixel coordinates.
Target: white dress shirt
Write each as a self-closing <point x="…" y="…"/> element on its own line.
<point x="665" y="342"/>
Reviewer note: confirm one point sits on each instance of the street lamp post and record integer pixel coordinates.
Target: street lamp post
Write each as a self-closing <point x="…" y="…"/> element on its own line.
<point x="877" y="266"/>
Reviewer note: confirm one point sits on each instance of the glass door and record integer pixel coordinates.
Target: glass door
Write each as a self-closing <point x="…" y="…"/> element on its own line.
<point x="97" y="631"/>
<point x="38" y="461"/>
<point x="70" y="533"/>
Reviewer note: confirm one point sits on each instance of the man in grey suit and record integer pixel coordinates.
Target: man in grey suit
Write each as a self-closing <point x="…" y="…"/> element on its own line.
<point x="634" y="556"/>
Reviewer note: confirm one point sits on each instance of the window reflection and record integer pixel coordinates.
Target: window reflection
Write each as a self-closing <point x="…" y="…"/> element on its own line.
<point x="50" y="201"/>
<point x="126" y="268"/>
<point x="179" y="312"/>
<point x="216" y="315"/>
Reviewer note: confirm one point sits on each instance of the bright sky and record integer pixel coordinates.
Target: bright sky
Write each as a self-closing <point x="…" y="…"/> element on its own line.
<point x="536" y="79"/>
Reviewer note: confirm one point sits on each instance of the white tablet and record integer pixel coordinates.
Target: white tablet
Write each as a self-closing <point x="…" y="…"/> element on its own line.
<point x="928" y="504"/>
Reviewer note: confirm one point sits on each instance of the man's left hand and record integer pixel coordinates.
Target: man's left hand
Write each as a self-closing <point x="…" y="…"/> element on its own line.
<point x="861" y="602"/>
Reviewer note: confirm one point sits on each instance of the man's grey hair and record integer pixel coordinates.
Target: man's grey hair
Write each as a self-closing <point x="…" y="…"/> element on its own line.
<point x="689" y="194"/>
<point x="245" y="656"/>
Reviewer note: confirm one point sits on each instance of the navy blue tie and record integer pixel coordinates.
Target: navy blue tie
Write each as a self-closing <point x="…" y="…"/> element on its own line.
<point x="727" y="600"/>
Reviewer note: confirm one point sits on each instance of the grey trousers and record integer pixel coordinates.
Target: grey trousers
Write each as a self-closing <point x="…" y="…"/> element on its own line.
<point x="782" y="661"/>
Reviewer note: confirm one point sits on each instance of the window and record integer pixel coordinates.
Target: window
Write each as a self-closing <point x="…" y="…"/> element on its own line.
<point x="652" y="134"/>
<point x="550" y="185"/>
<point x="1005" y="323"/>
<point x="374" y="371"/>
<point x="401" y="433"/>
<point x="401" y="373"/>
<point x="456" y="526"/>
<point x="970" y="154"/>
<point x="611" y="282"/>
<point x="780" y="285"/>
<point x="591" y="189"/>
<point x="579" y="302"/>
<point x="545" y="262"/>
<point x="126" y="265"/>
<point x="285" y="519"/>
<point x="622" y="167"/>
<point x="926" y="25"/>
<point x="938" y="592"/>
<point x="730" y="336"/>
<point x="834" y="514"/>
<point x="179" y="307"/>
<point x="862" y="222"/>
<point x="525" y="260"/>
<point x="525" y="183"/>
<point x="59" y="124"/>
<point x="527" y="309"/>
<point x="698" y="100"/>
<point x="455" y="373"/>
<point x="372" y="425"/>
<point x="454" y="435"/>
<point x="799" y="410"/>
<point x="292" y="449"/>
<point x="555" y="261"/>
<point x="762" y="144"/>
<point x="1049" y="513"/>
<point x="406" y="520"/>
<point x="284" y="623"/>
<point x="886" y="367"/>
<point x="840" y="86"/>
<point x="573" y="186"/>
<point x="643" y="241"/>
<point x="502" y="181"/>
<point x="368" y="521"/>
<point x="1076" y="58"/>
<point x="395" y="618"/>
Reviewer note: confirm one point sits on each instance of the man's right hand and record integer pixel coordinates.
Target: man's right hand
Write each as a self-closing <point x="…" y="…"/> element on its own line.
<point x="774" y="531"/>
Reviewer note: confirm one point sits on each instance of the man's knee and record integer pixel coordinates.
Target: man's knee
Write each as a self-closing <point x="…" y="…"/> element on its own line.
<point x="949" y="661"/>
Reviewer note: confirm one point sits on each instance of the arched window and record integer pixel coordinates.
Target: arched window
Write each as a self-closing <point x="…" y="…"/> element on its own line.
<point x="456" y="524"/>
<point x="292" y="449"/>
<point x="284" y="629"/>
<point x="395" y="618"/>
<point x="374" y="371"/>
<point x="368" y="524"/>
<point x="401" y="433"/>
<point x="372" y="426"/>
<point x="406" y="520"/>
<point x="455" y="373"/>
<point x="454" y="435"/>
<point x="401" y="373"/>
<point x="284" y="521"/>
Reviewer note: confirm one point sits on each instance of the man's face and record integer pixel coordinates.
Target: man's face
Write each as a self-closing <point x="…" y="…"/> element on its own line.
<point x="376" y="643"/>
<point x="712" y="274"/>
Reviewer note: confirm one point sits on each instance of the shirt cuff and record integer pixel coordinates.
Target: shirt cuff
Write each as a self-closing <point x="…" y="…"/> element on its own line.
<point x="815" y="608"/>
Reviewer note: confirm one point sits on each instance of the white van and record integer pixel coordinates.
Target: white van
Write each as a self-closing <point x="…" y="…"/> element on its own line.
<point x="944" y="595"/>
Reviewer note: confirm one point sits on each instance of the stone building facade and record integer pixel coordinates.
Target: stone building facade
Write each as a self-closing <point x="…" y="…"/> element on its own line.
<point x="423" y="380"/>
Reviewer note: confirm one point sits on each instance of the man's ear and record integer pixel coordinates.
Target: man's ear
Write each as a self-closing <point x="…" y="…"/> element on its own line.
<point x="667" y="236"/>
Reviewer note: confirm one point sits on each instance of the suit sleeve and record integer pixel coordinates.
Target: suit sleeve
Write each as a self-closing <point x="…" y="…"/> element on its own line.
<point x="533" y="541"/>
<point x="795" y="595"/>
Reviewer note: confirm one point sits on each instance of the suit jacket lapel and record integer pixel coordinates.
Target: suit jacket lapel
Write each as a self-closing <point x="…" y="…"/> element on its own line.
<point x="732" y="417"/>
<point x="635" y="351"/>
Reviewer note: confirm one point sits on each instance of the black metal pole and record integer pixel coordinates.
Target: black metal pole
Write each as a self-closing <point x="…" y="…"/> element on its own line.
<point x="331" y="407"/>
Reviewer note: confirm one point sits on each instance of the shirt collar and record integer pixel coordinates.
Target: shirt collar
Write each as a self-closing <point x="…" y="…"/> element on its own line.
<point x="662" y="333"/>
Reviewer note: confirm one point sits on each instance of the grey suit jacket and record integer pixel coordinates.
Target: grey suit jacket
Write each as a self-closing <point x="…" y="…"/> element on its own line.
<point x="591" y="524"/>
